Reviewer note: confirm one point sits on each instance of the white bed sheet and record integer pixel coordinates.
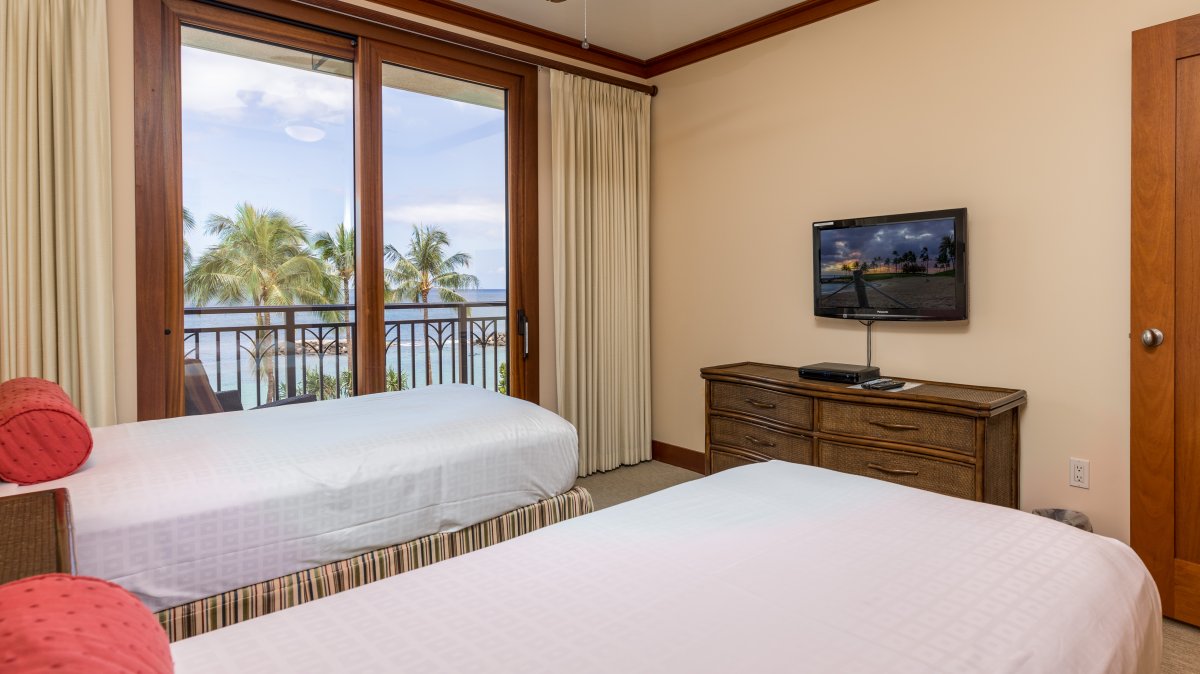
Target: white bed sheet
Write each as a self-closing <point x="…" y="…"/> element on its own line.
<point x="181" y="509"/>
<point x="773" y="567"/>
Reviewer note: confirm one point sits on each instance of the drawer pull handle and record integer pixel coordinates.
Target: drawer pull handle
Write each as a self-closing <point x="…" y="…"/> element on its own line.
<point x="760" y="404"/>
<point x="896" y="427"/>
<point x="891" y="471"/>
<point x="760" y="443"/>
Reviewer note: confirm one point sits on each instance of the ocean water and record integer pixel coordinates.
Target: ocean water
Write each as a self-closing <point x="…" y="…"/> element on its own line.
<point x="225" y="344"/>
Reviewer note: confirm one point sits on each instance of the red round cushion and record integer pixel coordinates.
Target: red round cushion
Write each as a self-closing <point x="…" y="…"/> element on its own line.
<point x="67" y="623"/>
<point x="42" y="436"/>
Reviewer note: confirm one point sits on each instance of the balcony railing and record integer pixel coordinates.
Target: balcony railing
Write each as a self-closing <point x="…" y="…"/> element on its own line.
<point x="297" y="350"/>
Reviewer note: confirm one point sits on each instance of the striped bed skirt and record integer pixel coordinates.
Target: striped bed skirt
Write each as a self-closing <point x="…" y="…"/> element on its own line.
<point x="234" y="606"/>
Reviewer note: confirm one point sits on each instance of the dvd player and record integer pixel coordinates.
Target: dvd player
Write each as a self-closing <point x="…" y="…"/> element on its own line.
<point x="840" y="372"/>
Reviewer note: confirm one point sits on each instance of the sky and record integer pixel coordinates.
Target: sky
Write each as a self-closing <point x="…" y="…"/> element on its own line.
<point x="866" y="243"/>
<point x="282" y="137"/>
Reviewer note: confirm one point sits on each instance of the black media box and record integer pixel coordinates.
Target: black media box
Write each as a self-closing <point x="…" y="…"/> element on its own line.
<point x="840" y="372"/>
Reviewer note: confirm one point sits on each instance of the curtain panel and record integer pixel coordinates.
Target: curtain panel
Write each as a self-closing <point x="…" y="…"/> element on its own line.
<point x="600" y="151"/>
<point x="56" y="287"/>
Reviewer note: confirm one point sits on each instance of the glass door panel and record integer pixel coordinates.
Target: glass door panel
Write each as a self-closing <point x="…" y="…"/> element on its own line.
<point x="445" y="230"/>
<point x="268" y="184"/>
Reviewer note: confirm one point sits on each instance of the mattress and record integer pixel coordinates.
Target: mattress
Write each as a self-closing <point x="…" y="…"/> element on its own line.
<point x="772" y="567"/>
<point x="181" y="509"/>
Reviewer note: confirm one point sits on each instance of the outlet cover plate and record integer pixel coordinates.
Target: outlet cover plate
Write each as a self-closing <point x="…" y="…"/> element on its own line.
<point x="1081" y="473"/>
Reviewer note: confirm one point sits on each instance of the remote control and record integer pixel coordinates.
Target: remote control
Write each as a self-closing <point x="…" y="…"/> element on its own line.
<point x="883" y="384"/>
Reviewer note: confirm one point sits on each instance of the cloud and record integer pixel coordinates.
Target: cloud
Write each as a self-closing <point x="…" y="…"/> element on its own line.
<point x="449" y="213"/>
<point x="229" y="88"/>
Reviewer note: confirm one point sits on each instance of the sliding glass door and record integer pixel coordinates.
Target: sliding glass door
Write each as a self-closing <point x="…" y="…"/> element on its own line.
<point x="268" y="227"/>
<point x="328" y="212"/>
<point x="445" y="230"/>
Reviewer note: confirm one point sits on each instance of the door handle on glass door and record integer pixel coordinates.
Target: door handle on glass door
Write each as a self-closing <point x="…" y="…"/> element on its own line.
<point x="523" y="331"/>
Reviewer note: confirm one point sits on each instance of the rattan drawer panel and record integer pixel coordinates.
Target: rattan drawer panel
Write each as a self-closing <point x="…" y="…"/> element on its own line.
<point x="726" y="460"/>
<point x="898" y="424"/>
<point x="785" y="408"/>
<point x="35" y="534"/>
<point x="922" y="472"/>
<point x="754" y="438"/>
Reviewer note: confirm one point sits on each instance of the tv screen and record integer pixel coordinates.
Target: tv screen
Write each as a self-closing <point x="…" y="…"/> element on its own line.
<point x="910" y="267"/>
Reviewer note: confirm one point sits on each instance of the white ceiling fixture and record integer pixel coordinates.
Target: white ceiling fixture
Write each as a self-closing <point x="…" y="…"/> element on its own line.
<point x="639" y="28"/>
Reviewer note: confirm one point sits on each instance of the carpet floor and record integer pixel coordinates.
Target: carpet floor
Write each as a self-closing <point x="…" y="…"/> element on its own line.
<point x="1181" y="643"/>
<point x="629" y="482"/>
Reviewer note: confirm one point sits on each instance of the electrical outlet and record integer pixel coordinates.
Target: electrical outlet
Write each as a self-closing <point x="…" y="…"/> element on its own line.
<point x="1081" y="473"/>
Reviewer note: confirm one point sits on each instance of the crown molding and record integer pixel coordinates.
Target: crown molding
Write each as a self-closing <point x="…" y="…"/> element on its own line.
<point x="493" y="25"/>
<point x="786" y="19"/>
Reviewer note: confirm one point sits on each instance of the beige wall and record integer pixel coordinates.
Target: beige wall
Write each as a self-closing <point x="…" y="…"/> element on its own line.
<point x="1017" y="109"/>
<point x="120" y="32"/>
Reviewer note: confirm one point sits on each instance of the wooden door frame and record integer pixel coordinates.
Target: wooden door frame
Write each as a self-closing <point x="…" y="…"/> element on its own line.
<point x="158" y="195"/>
<point x="1156" y="51"/>
<point x="520" y="82"/>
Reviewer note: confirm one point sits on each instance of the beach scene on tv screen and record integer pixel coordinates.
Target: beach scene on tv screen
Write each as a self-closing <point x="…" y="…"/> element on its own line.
<point x="903" y="265"/>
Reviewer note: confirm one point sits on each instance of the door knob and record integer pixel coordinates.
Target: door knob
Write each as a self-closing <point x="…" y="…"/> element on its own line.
<point x="1152" y="337"/>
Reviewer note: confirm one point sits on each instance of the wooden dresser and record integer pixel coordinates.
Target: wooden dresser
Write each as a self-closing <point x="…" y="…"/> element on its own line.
<point x="949" y="438"/>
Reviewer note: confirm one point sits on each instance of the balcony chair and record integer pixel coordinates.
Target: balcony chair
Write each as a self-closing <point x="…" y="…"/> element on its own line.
<point x="200" y="398"/>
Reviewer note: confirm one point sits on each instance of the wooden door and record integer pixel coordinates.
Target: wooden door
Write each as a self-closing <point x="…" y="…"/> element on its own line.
<point x="1165" y="312"/>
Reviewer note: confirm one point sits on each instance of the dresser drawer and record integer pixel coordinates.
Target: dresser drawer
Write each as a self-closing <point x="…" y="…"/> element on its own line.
<point x="898" y="424"/>
<point x="753" y="438"/>
<point x="785" y="408"/>
<point x="721" y="460"/>
<point x="922" y="472"/>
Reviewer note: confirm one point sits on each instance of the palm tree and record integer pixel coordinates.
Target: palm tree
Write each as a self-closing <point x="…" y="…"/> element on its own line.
<point x="189" y="223"/>
<point x="946" y="249"/>
<point x="336" y="249"/>
<point x="423" y="268"/>
<point x="262" y="258"/>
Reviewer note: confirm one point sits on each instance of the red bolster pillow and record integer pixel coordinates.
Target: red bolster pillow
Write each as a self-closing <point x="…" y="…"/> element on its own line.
<point x="67" y="623"/>
<point x="42" y="436"/>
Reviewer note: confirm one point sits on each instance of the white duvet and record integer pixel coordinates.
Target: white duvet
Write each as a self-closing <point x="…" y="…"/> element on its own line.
<point x="181" y="509"/>
<point x="773" y="567"/>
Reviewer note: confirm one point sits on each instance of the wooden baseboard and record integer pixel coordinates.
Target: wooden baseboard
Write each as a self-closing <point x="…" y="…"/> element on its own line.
<point x="680" y="457"/>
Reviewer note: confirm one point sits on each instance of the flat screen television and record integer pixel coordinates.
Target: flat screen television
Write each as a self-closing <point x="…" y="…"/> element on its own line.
<point x="909" y="267"/>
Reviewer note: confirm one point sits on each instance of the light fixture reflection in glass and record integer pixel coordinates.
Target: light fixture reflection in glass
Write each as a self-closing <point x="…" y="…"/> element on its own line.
<point x="305" y="134"/>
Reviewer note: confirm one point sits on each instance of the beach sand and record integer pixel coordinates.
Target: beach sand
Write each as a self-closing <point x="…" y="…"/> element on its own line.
<point x="925" y="292"/>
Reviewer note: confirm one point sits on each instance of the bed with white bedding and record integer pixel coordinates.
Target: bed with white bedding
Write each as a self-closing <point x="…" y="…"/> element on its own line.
<point x="773" y="567"/>
<point x="182" y="509"/>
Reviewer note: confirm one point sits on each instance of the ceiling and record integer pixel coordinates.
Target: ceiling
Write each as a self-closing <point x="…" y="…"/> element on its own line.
<point x="640" y="28"/>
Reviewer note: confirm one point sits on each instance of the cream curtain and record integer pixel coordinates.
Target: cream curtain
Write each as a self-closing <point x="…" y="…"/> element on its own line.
<point x="600" y="151"/>
<point x="56" y="288"/>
